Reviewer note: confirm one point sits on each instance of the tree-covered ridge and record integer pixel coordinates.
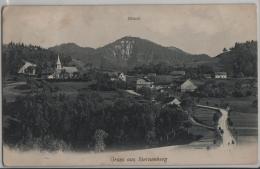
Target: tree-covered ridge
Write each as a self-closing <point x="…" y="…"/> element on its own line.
<point x="240" y="60"/>
<point x="14" y="55"/>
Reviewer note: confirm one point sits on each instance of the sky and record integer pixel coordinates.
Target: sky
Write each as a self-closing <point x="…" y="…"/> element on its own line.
<point x="193" y="28"/>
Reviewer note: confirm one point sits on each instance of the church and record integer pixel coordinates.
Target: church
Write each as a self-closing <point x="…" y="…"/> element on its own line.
<point x="64" y="72"/>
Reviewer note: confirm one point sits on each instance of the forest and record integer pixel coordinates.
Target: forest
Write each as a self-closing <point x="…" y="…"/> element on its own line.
<point x="240" y="60"/>
<point x="48" y="119"/>
<point x="14" y="55"/>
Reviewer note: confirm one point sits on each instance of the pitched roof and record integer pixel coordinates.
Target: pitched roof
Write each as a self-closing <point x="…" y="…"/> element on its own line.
<point x="29" y="63"/>
<point x="188" y="84"/>
<point x="58" y="60"/>
<point x="143" y="80"/>
<point x="70" y="69"/>
<point x="220" y="73"/>
<point x="25" y="66"/>
<point x="174" y="101"/>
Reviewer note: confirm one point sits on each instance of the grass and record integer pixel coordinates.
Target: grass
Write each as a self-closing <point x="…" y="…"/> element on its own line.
<point x="71" y="86"/>
<point x="204" y="115"/>
<point x="244" y="124"/>
<point x="238" y="104"/>
<point x="13" y="89"/>
<point x="243" y="116"/>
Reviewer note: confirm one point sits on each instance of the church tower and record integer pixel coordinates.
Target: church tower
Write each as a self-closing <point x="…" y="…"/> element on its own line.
<point x="58" y="63"/>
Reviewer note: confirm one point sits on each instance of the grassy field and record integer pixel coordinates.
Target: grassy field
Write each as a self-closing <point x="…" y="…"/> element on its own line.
<point x="71" y="86"/>
<point x="244" y="124"/>
<point x="204" y="115"/>
<point x="14" y="89"/>
<point x="243" y="115"/>
<point x="11" y="90"/>
<point x="239" y="104"/>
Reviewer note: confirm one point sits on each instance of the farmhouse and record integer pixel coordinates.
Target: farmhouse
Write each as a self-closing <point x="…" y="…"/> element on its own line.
<point x="122" y="77"/>
<point x="64" y="72"/>
<point x="188" y="86"/>
<point x="144" y="82"/>
<point x="174" y="102"/>
<point x="28" y="69"/>
<point x="220" y="75"/>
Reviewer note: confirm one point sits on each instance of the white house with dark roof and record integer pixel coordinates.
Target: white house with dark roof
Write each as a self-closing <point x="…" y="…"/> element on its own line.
<point x="220" y="75"/>
<point x="28" y="69"/>
<point x="144" y="82"/>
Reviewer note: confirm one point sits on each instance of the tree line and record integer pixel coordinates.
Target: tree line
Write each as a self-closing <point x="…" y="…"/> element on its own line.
<point x="14" y="55"/>
<point x="52" y="120"/>
<point x="240" y="60"/>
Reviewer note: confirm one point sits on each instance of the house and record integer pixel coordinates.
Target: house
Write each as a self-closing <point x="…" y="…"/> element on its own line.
<point x="174" y="102"/>
<point x="64" y="72"/>
<point x="220" y="75"/>
<point x="28" y="69"/>
<point x="122" y="77"/>
<point x="144" y="82"/>
<point x="188" y="86"/>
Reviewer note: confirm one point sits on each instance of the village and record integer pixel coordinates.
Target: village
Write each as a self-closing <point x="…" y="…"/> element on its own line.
<point x="175" y="80"/>
<point x="172" y="85"/>
<point x="189" y="104"/>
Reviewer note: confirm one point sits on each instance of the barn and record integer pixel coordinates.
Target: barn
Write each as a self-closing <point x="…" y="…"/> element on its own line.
<point x="188" y="86"/>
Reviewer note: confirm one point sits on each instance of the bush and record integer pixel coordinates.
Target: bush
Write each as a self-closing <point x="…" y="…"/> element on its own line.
<point x="254" y="103"/>
<point x="248" y="93"/>
<point x="23" y="87"/>
<point x="237" y="93"/>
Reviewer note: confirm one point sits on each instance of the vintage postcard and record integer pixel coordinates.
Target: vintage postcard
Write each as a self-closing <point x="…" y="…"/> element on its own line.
<point x="129" y="85"/>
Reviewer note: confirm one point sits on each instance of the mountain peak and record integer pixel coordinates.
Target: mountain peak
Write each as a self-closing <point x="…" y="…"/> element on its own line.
<point x="128" y="52"/>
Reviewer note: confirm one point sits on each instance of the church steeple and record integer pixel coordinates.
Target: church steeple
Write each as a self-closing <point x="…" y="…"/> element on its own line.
<point x="58" y="63"/>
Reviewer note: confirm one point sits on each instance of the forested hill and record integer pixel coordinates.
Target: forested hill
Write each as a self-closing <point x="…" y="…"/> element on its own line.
<point x="14" y="55"/>
<point x="129" y="52"/>
<point x="73" y="50"/>
<point x="240" y="60"/>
